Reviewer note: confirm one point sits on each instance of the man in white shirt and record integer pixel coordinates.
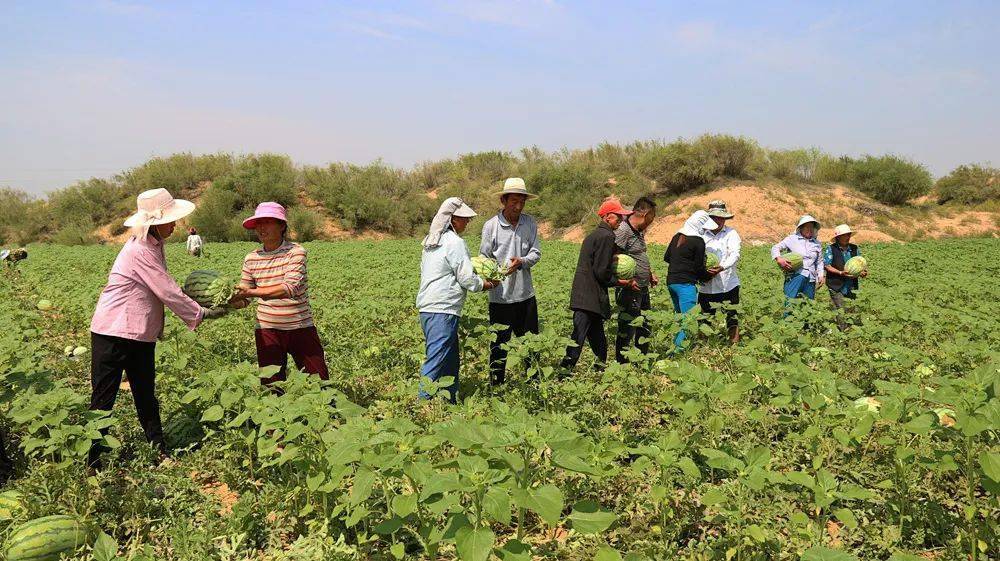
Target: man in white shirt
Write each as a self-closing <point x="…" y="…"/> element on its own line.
<point x="724" y="287"/>
<point x="194" y="243"/>
<point x="511" y="237"/>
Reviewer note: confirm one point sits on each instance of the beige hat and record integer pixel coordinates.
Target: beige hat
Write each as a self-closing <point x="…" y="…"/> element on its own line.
<point x="515" y="186"/>
<point x="157" y="206"/>
<point x="718" y="208"/>
<point x="841" y="230"/>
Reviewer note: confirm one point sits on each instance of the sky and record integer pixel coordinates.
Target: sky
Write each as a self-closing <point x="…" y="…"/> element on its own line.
<point x="93" y="87"/>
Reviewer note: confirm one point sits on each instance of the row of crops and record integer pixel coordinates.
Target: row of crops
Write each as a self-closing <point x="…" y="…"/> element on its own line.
<point x="802" y="442"/>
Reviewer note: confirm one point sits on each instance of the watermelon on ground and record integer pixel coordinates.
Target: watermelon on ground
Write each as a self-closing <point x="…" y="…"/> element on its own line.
<point x="46" y="539"/>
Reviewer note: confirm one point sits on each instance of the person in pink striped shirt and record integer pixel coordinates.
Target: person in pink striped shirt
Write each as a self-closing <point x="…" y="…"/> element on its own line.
<point x="129" y="316"/>
<point x="276" y="275"/>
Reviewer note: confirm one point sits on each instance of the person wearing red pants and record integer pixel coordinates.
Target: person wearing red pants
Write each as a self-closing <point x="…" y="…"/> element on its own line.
<point x="276" y="275"/>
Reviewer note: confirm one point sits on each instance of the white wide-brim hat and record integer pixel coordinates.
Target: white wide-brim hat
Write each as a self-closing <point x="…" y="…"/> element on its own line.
<point x="158" y="206"/>
<point x="841" y="230"/>
<point x="464" y="211"/>
<point x="515" y="186"/>
<point x="805" y="220"/>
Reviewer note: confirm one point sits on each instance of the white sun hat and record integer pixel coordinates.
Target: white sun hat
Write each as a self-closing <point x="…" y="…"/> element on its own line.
<point x="841" y="230"/>
<point x="515" y="186"/>
<point x="806" y="218"/>
<point x="158" y="206"/>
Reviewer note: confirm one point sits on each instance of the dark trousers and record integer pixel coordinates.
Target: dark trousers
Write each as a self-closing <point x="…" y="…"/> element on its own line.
<point x="274" y="346"/>
<point x="631" y="304"/>
<point x="590" y="327"/>
<point x="520" y="318"/>
<point x="109" y="357"/>
<point x="6" y="465"/>
<point x="709" y="301"/>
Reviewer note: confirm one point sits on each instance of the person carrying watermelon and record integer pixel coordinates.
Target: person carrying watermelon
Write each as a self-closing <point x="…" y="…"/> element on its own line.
<point x="275" y="274"/>
<point x="128" y="319"/>
<point x="686" y="267"/>
<point x="630" y="238"/>
<point x="840" y="282"/>
<point x="804" y="243"/>
<point x="595" y="274"/>
<point x="724" y="286"/>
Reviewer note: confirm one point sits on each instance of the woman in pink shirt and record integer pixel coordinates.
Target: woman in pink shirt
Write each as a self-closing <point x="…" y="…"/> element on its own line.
<point x="129" y="315"/>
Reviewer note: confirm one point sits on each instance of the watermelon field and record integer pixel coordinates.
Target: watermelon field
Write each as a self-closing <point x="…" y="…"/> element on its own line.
<point x="802" y="442"/>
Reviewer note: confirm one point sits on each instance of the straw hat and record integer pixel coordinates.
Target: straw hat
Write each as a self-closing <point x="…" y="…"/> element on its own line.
<point x="515" y="186"/>
<point x="841" y="230"/>
<point x="157" y="206"/>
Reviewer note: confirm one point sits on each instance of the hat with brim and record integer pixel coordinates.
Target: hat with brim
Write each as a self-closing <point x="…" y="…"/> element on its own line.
<point x="4" y="254"/>
<point x="464" y="211"/>
<point x="805" y="220"/>
<point x="158" y="206"/>
<point x="718" y="208"/>
<point x="515" y="186"/>
<point x="612" y="205"/>
<point x="841" y="230"/>
<point x="266" y="210"/>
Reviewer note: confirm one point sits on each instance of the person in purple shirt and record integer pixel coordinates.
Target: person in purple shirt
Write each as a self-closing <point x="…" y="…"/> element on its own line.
<point x="803" y="281"/>
<point x="129" y="315"/>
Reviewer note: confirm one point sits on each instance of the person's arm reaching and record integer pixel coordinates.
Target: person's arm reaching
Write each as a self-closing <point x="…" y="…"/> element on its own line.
<point x="152" y="272"/>
<point x="458" y="258"/>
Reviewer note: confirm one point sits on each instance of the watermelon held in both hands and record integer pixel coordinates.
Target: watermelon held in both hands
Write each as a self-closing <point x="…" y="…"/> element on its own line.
<point x="856" y="265"/>
<point x="711" y="260"/>
<point x="794" y="258"/>
<point x="46" y="539"/>
<point x="209" y="289"/>
<point x="624" y="267"/>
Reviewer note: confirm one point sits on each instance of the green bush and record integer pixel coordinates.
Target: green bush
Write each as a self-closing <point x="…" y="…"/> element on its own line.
<point x="260" y="178"/>
<point x="219" y="216"/>
<point x="833" y="170"/>
<point x="375" y="196"/>
<point x="793" y="165"/>
<point x="178" y="173"/>
<point x="969" y="184"/>
<point x="677" y="167"/>
<point x="305" y="224"/>
<point x="74" y="233"/>
<point x="890" y="179"/>
<point x="94" y="201"/>
<point x="22" y="218"/>
<point x="567" y="192"/>
<point x="730" y="156"/>
<point x="490" y="166"/>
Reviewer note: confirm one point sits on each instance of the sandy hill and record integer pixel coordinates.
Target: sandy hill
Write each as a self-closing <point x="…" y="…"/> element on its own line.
<point x="766" y="212"/>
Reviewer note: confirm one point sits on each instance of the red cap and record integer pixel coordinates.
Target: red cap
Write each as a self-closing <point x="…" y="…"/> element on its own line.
<point x="612" y="206"/>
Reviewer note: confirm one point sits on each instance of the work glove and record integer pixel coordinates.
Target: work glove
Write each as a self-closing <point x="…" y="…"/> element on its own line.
<point x="214" y="313"/>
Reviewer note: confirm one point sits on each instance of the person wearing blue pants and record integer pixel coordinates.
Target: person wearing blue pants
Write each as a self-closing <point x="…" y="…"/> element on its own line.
<point x="685" y="257"/>
<point x="445" y="275"/>
<point x="805" y="242"/>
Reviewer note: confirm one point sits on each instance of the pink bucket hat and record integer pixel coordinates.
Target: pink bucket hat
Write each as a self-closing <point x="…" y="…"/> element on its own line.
<point x="265" y="210"/>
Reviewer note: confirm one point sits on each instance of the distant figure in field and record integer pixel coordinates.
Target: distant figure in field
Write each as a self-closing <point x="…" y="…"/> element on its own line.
<point x="511" y="237"/>
<point x="194" y="243"/>
<point x="841" y="283"/>
<point x="595" y="274"/>
<point x="805" y="242"/>
<point x="724" y="286"/>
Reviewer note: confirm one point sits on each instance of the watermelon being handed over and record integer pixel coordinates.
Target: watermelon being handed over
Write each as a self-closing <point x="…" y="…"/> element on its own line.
<point x="209" y="288"/>
<point x="488" y="268"/>
<point x="794" y="258"/>
<point x="46" y="539"/>
<point x="711" y="260"/>
<point x="624" y="267"/>
<point x="856" y="265"/>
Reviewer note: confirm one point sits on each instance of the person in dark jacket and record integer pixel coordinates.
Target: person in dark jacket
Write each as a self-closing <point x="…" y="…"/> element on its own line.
<point x="841" y="283"/>
<point x="595" y="273"/>
<point x="6" y="464"/>
<point x="685" y="257"/>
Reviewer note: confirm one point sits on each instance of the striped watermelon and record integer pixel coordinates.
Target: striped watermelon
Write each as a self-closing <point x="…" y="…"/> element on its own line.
<point x="794" y="259"/>
<point x="46" y="539"/>
<point x="183" y="429"/>
<point x="855" y="265"/>
<point x="711" y="260"/>
<point x="209" y="288"/>
<point x="10" y="505"/>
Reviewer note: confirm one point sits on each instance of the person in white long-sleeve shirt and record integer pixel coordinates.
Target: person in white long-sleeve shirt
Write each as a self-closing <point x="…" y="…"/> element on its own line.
<point x="445" y="275"/>
<point x="724" y="286"/>
<point x="194" y="243"/>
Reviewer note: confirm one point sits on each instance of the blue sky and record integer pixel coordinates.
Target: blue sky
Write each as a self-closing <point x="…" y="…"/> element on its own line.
<point x="89" y="88"/>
